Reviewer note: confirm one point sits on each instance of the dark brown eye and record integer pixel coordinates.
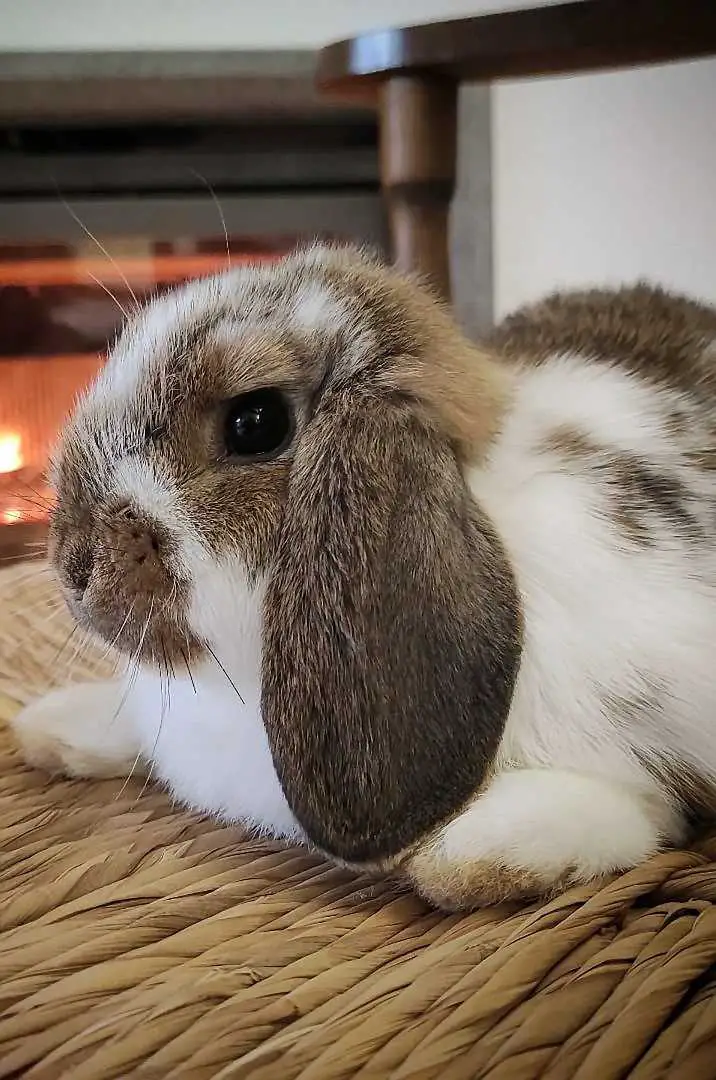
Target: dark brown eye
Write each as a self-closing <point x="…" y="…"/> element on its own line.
<point x="258" y="424"/>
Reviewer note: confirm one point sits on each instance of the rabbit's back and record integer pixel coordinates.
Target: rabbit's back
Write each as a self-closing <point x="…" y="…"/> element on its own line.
<point x="602" y="485"/>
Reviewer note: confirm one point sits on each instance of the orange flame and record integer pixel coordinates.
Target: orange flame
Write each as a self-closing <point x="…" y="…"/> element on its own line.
<point x="10" y="452"/>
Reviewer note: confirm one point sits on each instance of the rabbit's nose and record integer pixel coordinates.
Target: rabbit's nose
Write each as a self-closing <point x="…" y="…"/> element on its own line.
<point x="133" y="541"/>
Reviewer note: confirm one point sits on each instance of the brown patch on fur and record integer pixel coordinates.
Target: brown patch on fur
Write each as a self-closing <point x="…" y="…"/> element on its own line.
<point x="682" y="781"/>
<point x="392" y="630"/>
<point x="240" y="509"/>
<point x="698" y="796"/>
<point x="419" y="351"/>
<point x="634" y="527"/>
<point x="695" y="793"/>
<point x="646" y="705"/>
<point x="648" y="331"/>
<point x="703" y="457"/>
<point x="639" y="495"/>
<point x="568" y="443"/>
<point x="678" y="423"/>
<point x="463" y="885"/>
<point x="645" y="710"/>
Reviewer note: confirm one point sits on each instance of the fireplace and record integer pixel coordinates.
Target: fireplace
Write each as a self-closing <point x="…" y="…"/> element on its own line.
<point x="88" y="214"/>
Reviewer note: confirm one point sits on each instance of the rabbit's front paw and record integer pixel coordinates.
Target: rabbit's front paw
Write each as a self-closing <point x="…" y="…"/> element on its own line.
<point x="535" y="831"/>
<point x="79" y="731"/>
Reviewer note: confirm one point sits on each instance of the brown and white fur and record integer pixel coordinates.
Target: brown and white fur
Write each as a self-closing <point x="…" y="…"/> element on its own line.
<point x="470" y="609"/>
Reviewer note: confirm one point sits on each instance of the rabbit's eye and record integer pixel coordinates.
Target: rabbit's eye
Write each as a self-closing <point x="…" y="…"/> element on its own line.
<point x="258" y="424"/>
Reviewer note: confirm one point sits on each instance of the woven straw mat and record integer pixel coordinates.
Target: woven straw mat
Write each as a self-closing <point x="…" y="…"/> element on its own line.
<point x="137" y="940"/>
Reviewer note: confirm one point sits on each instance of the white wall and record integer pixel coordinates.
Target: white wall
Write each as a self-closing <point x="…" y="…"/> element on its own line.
<point x="605" y="178"/>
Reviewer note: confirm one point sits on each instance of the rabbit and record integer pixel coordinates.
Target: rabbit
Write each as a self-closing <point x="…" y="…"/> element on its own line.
<point x="440" y="610"/>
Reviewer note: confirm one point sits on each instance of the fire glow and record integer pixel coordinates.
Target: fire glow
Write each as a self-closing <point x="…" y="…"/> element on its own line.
<point x="10" y="462"/>
<point x="10" y="452"/>
<point x="17" y="508"/>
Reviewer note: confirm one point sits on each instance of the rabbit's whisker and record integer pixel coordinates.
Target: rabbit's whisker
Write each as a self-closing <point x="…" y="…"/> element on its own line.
<point x="219" y="664"/>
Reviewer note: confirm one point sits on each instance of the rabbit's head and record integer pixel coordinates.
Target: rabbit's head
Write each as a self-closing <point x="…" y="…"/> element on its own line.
<point x="292" y="438"/>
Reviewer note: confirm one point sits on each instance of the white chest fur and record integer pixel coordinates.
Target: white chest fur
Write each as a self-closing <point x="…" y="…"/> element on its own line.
<point x="205" y="738"/>
<point x="210" y="748"/>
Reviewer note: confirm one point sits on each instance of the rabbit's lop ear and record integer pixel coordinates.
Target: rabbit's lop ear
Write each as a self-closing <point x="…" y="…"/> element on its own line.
<point x="392" y="630"/>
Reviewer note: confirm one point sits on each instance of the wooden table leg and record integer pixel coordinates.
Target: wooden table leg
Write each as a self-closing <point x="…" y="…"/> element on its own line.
<point x="418" y="151"/>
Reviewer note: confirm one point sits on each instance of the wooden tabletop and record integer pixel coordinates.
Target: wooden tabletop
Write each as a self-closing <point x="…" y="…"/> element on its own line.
<point x="587" y="35"/>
